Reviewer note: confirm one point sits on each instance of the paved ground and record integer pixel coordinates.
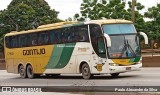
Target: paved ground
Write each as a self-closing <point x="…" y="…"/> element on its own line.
<point x="148" y="60"/>
<point x="145" y="77"/>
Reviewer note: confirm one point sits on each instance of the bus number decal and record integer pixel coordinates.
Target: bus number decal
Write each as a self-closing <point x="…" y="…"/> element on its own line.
<point x="34" y="51"/>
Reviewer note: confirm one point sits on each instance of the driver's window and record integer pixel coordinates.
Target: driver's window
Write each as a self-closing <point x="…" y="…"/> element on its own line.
<point x="101" y="47"/>
<point x="95" y="32"/>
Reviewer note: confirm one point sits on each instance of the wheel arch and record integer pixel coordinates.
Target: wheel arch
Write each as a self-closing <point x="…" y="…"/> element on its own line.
<point x="28" y="64"/>
<point x="81" y="64"/>
<point x="19" y="67"/>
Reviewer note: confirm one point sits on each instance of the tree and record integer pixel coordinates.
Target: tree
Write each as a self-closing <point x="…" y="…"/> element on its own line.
<point x="113" y="9"/>
<point x="94" y="9"/>
<point x="153" y="27"/>
<point x="26" y="14"/>
<point x="139" y="18"/>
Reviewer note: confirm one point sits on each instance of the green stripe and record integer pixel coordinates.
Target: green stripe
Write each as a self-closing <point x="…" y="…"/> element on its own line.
<point x="55" y="57"/>
<point x="61" y="55"/>
<point x="135" y="59"/>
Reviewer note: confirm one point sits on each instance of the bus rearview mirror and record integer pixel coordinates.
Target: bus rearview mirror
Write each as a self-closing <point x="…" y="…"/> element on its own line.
<point x="108" y="40"/>
<point x="144" y="36"/>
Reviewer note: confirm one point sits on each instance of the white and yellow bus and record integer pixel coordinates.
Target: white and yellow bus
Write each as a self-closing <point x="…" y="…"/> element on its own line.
<point x="88" y="48"/>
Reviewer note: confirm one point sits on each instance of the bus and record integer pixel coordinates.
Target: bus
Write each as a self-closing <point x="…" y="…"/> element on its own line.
<point x="89" y="48"/>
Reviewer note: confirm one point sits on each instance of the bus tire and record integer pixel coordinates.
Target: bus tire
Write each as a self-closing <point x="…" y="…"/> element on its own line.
<point x="114" y="75"/>
<point x="30" y="72"/>
<point x="22" y="71"/>
<point x="86" y="73"/>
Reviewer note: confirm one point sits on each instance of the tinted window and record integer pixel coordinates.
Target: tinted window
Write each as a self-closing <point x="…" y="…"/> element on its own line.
<point x="14" y="41"/>
<point x="23" y="41"/>
<point x="101" y="47"/>
<point x="43" y="38"/>
<point x="95" y="32"/>
<point x="55" y="36"/>
<point x="118" y="28"/>
<point x="82" y="34"/>
<point x="8" y="40"/>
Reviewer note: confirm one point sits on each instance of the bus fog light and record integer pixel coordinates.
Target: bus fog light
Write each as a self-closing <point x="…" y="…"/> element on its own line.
<point x="113" y="64"/>
<point x="112" y="69"/>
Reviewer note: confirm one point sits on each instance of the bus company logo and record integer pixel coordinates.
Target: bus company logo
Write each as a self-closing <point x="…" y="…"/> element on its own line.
<point x="6" y="89"/>
<point x="34" y="51"/>
<point x="19" y="89"/>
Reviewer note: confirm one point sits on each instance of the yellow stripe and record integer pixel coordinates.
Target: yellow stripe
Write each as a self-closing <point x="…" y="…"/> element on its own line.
<point x="122" y="61"/>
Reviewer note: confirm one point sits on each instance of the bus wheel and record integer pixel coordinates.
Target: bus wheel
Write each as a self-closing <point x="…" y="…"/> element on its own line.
<point x="86" y="71"/>
<point x="114" y="75"/>
<point x="30" y="72"/>
<point x="22" y="71"/>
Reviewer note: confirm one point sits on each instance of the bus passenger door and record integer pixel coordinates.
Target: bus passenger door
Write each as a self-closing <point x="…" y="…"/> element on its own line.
<point x="101" y="51"/>
<point x="101" y="47"/>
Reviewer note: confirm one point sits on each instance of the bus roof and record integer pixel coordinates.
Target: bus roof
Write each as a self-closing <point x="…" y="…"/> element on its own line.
<point x="109" y="21"/>
<point x="66" y="24"/>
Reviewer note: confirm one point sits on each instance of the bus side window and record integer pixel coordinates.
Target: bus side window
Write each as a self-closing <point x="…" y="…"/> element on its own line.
<point x="52" y="36"/>
<point x="46" y="38"/>
<point x="65" y="35"/>
<point x="43" y="38"/>
<point x="8" y="42"/>
<point x="72" y="34"/>
<point x="34" y="39"/>
<point x="22" y="41"/>
<point x="58" y="36"/>
<point x="25" y="40"/>
<point x="82" y="33"/>
<point x="40" y="39"/>
<point x="14" y="42"/>
<point x="69" y="35"/>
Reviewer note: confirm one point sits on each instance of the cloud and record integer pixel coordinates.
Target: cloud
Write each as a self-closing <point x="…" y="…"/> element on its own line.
<point x="4" y="4"/>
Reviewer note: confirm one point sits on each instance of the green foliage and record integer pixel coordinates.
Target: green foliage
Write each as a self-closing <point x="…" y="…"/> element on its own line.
<point x="94" y="9"/>
<point x="26" y="14"/>
<point x="113" y="9"/>
<point x="154" y="25"/>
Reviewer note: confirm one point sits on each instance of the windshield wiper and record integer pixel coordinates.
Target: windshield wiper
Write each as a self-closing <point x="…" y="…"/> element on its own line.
<point x="125" y="48"/>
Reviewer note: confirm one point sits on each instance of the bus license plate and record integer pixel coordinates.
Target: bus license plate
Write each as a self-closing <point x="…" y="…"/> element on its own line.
<point x="128" y="68"/>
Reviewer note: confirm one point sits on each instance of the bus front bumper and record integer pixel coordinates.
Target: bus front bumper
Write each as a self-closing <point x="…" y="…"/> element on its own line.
<point x="121" y="69"/>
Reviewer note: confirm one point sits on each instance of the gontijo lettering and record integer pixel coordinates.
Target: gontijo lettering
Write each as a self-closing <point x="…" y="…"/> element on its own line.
<point x="34" y="51"/>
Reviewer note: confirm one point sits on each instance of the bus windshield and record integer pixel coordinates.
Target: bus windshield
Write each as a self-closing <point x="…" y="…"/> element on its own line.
<point x="118" y="28"/>
<point x="124" y="41"/>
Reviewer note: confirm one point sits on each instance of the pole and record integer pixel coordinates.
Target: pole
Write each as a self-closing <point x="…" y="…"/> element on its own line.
<point x="133" y="11"/>
<point x="17" y="27"/>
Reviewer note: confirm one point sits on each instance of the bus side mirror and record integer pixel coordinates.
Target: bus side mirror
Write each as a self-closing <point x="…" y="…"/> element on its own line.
<point x="144" y="36"/>
<point x="108" y="39"/>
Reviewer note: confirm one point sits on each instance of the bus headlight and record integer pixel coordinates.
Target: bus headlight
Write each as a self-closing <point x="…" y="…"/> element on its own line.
<point x="113" y="64"/>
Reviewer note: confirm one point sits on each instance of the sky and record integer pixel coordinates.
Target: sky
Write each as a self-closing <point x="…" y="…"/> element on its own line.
<point x="68" y="8"/>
